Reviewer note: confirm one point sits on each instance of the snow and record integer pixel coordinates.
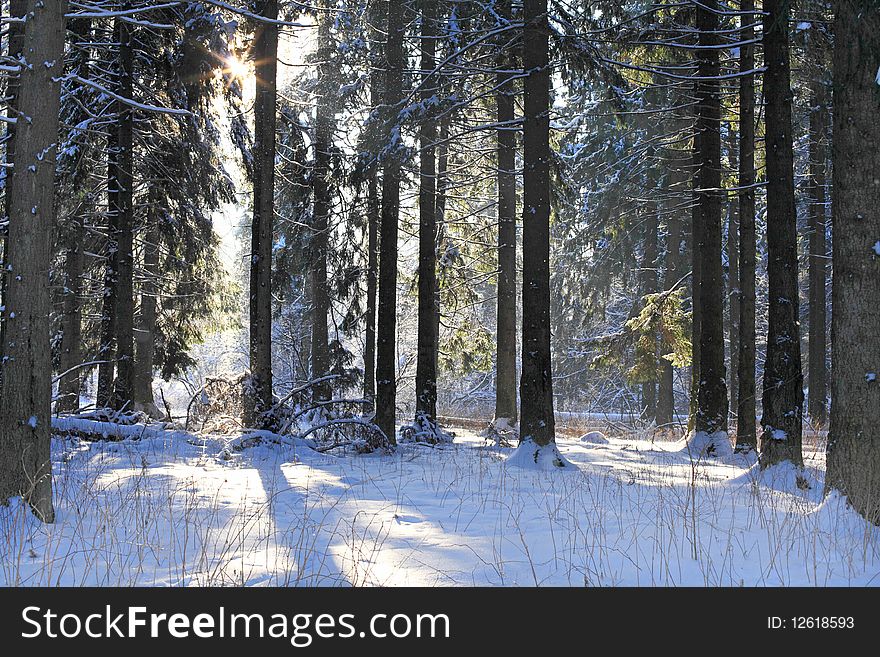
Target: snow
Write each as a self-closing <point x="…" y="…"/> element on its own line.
<point x="169" y="508"/>
<point x="531" y="456"/>
<point x="594" y="437"/>
<point x="701" y="444"/>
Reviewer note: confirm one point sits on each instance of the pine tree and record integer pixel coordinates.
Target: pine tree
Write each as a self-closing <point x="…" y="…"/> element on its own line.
<point x="265" y="53"/>
<point x="783" y="394"/>
<point x="853" y="441"/>
<point x="711" y="414"/>
<point x="386" y="336"/>
<point x="538" y="425"/>
<point x="818" y="258"/>
<point x="505" y="336"/>
<point x="376" y="14"/>
<point x="746" y="433"/>
<point x="322" y="185"/>
<point x="73" y="231"/>
<point x="123" y="213"/>
<point x="428" y="292"/>
<point x="26" y="388"/>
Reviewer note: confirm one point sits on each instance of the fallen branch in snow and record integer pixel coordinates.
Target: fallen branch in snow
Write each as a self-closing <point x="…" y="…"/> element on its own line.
<point x="96" y="431"/>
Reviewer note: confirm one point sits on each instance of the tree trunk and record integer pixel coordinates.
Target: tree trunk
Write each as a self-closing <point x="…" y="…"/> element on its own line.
<point x="818" y="261"/>
<point x="145" y="336"/>
<point x="505" y="335"/>
<point x="266" y="57"/>
<point x="537" y="423"/>
<point x="666" y="384"/>
<point x="373" y="212"/>
<point x="853" y="439"/>
<point x="783" y="394"/>
<point x="746" y="434"/>
<point x="124" y="212"/>
<point x="377" y="14"/>
<point x="372" y="267"/>
<point x="649" y="286"/>
<point x="15" y="44"/>
<point x="428" y="292"/>
<point x="70" y="385"/>
<point x="386" y="363"/>
<point x="109" y="301"/>
<point x="321" y="180"/>
<point x="712" y="393"/>
<point x="26" y="389"/>
<point x="696" y="248"/>
<point x="733" y="275"/>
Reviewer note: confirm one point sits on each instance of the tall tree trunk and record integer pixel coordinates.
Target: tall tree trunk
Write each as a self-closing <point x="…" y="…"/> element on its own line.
<point x="15" y="44"/>
<point x="818" y="261"/>
<point x="320" y="362"/>
<point x="145" y="336"/>
<point x="376" y="16"/>
<point x="266" y="57"/>
<point x="70" y="384"/>
<point x="712" y="394"/>
<point x="696" y="249"/>
<point x="372" y="280"/>
<point x="783" y="394"/>
<point x="109" y="300"/>
<point x="746" y="434"/>
<point x="440" y="204"/>
<point x="125" y="224"/>
<point x="428" y="292"/>
<point x="648" y="285"/>
<point x="666" y="384"/>
<point x="538" y="423"/>
<point x="26" y="389"/>
<point x="853" y="439"/>
<point x="386" y="363"/>
<point x="733" y="274"/>
<point x="505" y="335"/>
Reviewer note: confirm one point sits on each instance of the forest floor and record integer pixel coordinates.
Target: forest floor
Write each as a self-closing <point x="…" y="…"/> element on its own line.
<point x="175" y="509"/>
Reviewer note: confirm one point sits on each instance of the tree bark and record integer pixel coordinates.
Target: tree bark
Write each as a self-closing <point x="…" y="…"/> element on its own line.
<point x="505" y="335"/>
<point x="711" y="414"/>
<point x="818" y="260"/>
<point x="124" y="212"/>
<point x="15" y="44"/>
<point x="649" y="286"/>
<point x="320" y="361"/>
<point x="428" y="291"/>
<point x="70" y="385"/>
<point x="783" y="394"/>
<point x="733" y="274"/>
<point x="537" y="422"/>
<point x="26" y="389"/>
<point x="145" y="336"/>
<point x="853" y="439"/>
<point x="746" y="434"/>
<point x="666" y="384"/>
<point x="109" y="301"/>
<point x="696" y="249"/>
<point x="372" y="280"/>
<point x="386" y="338"/>
<point x="266" y="57"/>
<point x="376" y="17"/>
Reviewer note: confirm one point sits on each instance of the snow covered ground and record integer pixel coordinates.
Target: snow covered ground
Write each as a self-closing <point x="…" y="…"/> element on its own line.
<point x="174" y="509"/>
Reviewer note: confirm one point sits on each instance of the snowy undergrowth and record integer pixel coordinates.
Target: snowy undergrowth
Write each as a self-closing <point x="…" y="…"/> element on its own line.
<point x="173" y="509"/>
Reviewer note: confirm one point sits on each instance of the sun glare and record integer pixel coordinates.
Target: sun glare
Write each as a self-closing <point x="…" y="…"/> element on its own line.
<point x="236" y="68"/>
